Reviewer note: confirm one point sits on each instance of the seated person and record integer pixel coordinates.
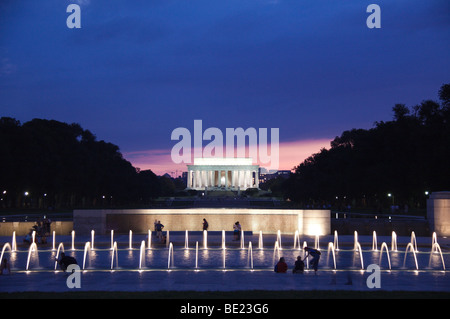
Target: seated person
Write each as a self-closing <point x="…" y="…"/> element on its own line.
<point x="299" y="266"/>
<point x="281" y="266"/>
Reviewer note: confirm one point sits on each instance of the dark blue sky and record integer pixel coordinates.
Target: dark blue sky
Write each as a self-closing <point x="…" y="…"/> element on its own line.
<point x="138" y="69"/>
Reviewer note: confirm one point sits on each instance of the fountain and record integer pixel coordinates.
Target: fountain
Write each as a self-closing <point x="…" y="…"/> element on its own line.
<point x="142" y="255"/>
<point x="33" y="236"/>
<point x="223" y="260"/>
<point x="87" y="247"/>
<point x="186" y="240"/>
<point x="331" y="249"/>
<point x="226" y="259"/>
<point x="394" y="241"/>
<point x="114" y="253"/>
<point x="250" y="256"/>
<point x="92" y="239"/>
<point x="434" y="240"/>
<point x="54" y="240"/>
<point x="279" y="238"/>
<point x="223" y="240"/>
<point x="414" y="241"/>
<point x="196" y="255"/>
<point x="276" y="253"/>
<point x="296" y="240"/>
<point x="73" y="240"/>
<point x="436" y="249"/>
<point x="316" y="242"/>
<point x="355" y="236"/>
<point x="14" y="242"/>
<point x="359" y="250"/>
<point x="384" y="246"/>
<point x="167" y="239"/>
<point x="7" y="245"/>
<point x="305" y="244"/>
<point x="130" y="240"/>
<point x="112" y="239"/>
<point x="411" y="248"/>
<point x="149" y="239"/>
<point x="60" y="246"/>
<point x="260" y="240"/>
<point x="336" y="241"/>
<point x="33" y="248"/>
<point x="242" y="239"/>
<point x="205" y="239"/>
<point x="374" y="241"/>
<point x="170" y="257"/>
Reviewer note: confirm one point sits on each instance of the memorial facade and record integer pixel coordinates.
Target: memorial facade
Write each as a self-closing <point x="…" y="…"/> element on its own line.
<point x="223" y="173"/>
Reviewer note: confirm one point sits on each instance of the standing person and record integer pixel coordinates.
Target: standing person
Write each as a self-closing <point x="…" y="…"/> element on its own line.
<point x="316" y="256"/>
<point x="299" y="266"/>
<point x="159" y="228"/>
<point x="237" y="231"/>
<point x="281" y="266"/>
<point x="205" y="224"/>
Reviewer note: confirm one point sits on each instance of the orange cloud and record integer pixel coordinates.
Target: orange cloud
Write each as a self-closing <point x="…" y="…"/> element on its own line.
<point x="160" y="162"/>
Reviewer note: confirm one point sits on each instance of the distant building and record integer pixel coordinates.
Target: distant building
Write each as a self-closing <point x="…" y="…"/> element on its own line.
<point x="223" y="174"/>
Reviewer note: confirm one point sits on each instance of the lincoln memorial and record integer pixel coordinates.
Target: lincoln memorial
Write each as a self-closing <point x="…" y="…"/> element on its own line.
<point x="223" y="173"/>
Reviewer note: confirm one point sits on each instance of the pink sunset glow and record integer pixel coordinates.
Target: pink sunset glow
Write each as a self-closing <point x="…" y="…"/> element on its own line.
<point x="160" y="162"/>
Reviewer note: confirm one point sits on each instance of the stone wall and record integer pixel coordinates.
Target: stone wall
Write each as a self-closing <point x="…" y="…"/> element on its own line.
<point x="307" y="222"/>
<point x="438" y="213"/>
<point x="22" y="228"/>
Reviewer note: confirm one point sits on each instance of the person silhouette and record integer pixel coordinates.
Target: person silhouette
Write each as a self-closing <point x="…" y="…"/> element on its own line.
<point x="315" y="255"/>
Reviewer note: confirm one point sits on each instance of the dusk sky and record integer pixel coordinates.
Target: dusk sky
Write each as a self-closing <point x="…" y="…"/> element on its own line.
<point x="136" y="70"/>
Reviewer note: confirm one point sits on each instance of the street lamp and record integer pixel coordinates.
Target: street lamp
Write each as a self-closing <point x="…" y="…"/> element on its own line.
<point x="390" y="195"/>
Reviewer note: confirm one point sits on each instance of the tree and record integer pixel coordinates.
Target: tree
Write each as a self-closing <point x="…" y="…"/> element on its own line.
<point x="400" y="112"/>
<point x="63" y="166"/>
<point x="406" y="156"/>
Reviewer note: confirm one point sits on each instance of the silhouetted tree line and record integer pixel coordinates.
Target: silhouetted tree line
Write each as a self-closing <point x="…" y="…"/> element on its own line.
<point x="50" y="164"/>
<point x="405" y="158"/>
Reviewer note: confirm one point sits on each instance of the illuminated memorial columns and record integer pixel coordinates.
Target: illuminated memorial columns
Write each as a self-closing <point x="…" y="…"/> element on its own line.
<point x="223" y="173"/>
